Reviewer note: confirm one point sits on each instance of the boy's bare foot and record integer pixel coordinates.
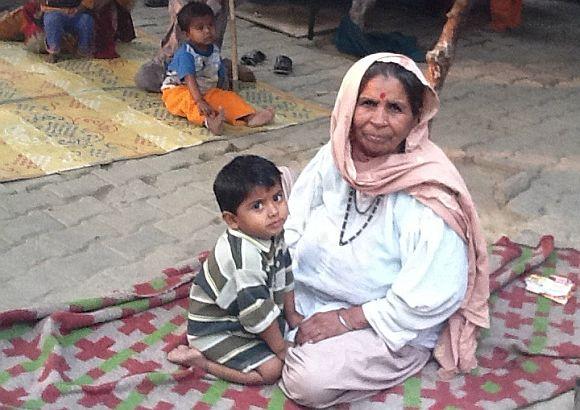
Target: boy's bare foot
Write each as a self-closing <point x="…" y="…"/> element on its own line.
<point x="187" y="356"/>
<point x="261" y="117"/>
<point x="215" y="123"/>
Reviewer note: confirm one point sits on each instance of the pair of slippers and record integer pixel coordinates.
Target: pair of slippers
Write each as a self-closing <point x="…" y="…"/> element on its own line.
<point x="283" y="64"/>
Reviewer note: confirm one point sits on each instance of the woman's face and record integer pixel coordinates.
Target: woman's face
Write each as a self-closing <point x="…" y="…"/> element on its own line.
<point x="382" y="118"/>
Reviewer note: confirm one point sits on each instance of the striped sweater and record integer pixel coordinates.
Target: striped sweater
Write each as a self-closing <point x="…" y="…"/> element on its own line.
<point x="240" y="288"/>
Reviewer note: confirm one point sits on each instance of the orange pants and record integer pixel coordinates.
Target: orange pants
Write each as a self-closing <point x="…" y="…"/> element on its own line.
<point x="505" y="14"/>
<point x="179" y="101"/>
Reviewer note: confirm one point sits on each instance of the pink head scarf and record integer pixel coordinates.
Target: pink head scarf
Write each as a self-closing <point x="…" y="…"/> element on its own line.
<point x="425" y="172"/>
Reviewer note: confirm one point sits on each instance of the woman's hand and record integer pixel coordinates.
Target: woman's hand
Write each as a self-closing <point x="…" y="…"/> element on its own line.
<point x="318" y="327"/>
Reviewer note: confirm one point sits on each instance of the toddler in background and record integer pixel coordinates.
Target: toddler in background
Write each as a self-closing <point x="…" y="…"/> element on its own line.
<point x="190" y="88"/>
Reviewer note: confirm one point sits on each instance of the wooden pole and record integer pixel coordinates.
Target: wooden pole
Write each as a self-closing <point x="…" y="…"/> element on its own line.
<point x="234" y="43"/>
<point x="439" y="59"/>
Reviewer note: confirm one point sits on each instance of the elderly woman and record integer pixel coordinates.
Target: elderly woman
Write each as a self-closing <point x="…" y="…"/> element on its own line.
<point x="388" y="256"/>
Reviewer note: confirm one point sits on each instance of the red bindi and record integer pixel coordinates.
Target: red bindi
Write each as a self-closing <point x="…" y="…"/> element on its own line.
<point x="382" y="96"/>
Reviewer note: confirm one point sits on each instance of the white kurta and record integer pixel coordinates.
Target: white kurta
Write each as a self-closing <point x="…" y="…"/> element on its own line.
<point x="407" y="268"/>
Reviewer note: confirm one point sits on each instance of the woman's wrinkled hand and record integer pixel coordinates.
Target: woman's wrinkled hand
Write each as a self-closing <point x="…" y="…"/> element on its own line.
<point x="319" y="326"/>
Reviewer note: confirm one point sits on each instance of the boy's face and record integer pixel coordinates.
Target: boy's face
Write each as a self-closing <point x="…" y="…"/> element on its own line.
<point x="202" y="31"/>
<point x="262" y="214"/>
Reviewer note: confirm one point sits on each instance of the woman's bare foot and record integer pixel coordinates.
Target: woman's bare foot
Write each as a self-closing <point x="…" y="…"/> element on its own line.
<point x="261" y="117"/>
<point x="215" y="123"/>
<point x="187" y="356"/>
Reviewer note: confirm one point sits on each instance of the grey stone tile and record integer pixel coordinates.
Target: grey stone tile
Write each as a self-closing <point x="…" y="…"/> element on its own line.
<point x="138" y="244"/>
<point x="36" y="222"/>
<point x="74" y="212"/>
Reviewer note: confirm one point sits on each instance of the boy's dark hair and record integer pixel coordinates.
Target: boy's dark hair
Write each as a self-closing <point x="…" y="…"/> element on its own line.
<point x="238" y="178"/>
<point x="190" y="11"/>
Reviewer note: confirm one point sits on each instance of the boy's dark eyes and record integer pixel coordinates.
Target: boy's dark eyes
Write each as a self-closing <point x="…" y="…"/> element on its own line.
<point x="278" y="197"/>
<point x="257" y="205"/>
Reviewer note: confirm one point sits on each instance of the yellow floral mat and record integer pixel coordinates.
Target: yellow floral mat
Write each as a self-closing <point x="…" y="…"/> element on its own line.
<point x="77" y="113"/>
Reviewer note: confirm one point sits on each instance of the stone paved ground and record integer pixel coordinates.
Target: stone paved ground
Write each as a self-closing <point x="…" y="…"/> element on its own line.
<point x="510" y="120"/>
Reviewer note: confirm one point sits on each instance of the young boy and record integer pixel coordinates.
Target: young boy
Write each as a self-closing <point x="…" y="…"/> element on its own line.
<point x="72" y="16"/>
<point x="235" y="325"/>
<point x="190" y="86"/>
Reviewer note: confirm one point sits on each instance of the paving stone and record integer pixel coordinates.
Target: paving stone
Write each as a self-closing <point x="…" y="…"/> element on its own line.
<point x="80" y="236"/>
<point x="161" y="164"/>
<point x="4" y="214"/>
<point x="128" y="219"/>
<point x="64" y="273"/>
<point x="513" y="186"/>
<point x="271" y="153"/>
<point x="4" y="246"/>
<point x="13" y="298"/>
<point x="145" y="269"/>
<point x="36" y="222"/>
<point x="91" y="260"/>
<point x="207" y="152"/>
<point x="132" y="191"/>
<point x="33" y="184"/>
<point x="186" y="224"/>
<point x="139" y="243"/>
<point x="111" y="280"/>
<point x="176" y="202"/>
<point x="171" y="180"/>
<point x="7" y="188"/>
<point x="120" y="172"/>
<point x="85" y="185"/>
<point x="32" y="252"/>
<point x="210" y="205"/>
<point x="203" y="240"/>
<point x="24" y="202"/>
<point x="74" y="212"/>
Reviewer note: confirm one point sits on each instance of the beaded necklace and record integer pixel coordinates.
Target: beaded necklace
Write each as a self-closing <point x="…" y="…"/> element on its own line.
<point x="352" y="197"/>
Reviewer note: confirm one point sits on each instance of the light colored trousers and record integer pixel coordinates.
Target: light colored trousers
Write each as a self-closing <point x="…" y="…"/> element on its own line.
<point x="347" y="368"/>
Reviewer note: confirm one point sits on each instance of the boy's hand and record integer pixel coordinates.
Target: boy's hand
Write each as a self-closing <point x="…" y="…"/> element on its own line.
<point x="205" y="109"/>
<point x="282" y="353"/>
<point x="294" y="319"/>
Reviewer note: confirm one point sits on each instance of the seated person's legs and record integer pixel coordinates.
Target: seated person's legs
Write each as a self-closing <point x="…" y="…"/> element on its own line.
<point x="237" y="110"/>
<point x="54" y="28"/>
<point x="361" y="365"/>
<point x="267" y="373"/>
<point x="83" y="25"/>
<point x="178" y="101"/>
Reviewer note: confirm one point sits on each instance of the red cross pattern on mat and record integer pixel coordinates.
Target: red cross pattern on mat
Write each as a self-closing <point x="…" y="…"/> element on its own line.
<point x="140" y="321"/>
<point x="21" y="347"/>
<point x="99" y="349"/>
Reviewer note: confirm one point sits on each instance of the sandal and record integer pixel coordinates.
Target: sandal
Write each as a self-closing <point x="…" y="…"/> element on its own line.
<point x="253" y="57"/>
<point x="283" y="65"/>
